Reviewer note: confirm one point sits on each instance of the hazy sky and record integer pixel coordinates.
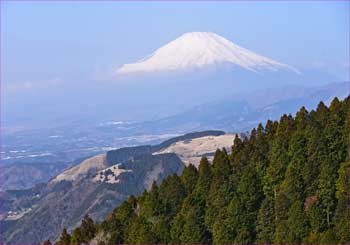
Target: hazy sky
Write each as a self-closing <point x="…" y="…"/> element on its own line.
<point x="54" y="45"/>
<point x="60" y="40"/>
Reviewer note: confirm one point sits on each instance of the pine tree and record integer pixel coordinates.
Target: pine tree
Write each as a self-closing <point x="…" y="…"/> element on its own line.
<point x="316" y="151"/>
<point x="177" y="228"/>
<point x="171" y="194"/>
<point x="151" y="205"/>
<point x="161" y="230"/>
<point x="315" y="220"/>
<point x="189" y="178"/>
<point x="278" y="157"/>
<point x="203" y="183"/>
<point x="223" y="232"/>
<point x="194" y="229"/>
<point x="139" y="232"/>
<point x="326" y="193"/>
<point x="115" y="231"/>
<point x="219" y="191"/>
<point x="259" y="156"/>
<point x="87" y="229"/>
<point x="76" y="237"/>
<point x="327" y="237"/>
<point x="281" y="216"/>
<point x="266" y="222"/>
<point x="65" y="238"/>
<point x="296" y="223"/>
<point x="342" y="215"/>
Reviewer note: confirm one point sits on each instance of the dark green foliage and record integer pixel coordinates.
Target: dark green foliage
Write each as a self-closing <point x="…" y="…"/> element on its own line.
<point x="222" y="232"/>
<point x="327" y="237"/>
<point x="266" y="223"/>
<point x="114" y="228"/>
<point x="47" y="242"/>
<point x="140" y="232"/>
<point x="287" y="183"/>
<point x="171" y="193"/>
<point x="342" y="213"/>
<point x="65" y="238"/>
<point x="87" y="229"/>
<point x="161" y="230"/>
<point x="189" y="178"/>
<point x="296" y="222"/>
<point x="76" y="237"/>
<point x="203" y="183"/>
<point x="188" y="225"/>
<point x="219" y="194"/>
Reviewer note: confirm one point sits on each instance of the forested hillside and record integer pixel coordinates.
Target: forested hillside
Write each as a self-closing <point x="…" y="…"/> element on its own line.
<point x="289" y="182"/>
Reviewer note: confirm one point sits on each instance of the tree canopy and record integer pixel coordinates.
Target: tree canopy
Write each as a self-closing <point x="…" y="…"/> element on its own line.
<point x="288" y="182"/>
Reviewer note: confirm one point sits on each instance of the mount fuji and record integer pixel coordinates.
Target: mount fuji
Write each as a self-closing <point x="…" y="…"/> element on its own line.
<point x="196" y="50"/>
<point x="194" y="69"/>
<point x="199" y="67"/>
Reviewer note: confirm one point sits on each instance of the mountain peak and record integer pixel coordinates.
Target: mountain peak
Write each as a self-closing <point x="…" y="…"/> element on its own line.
<point x="199" y="49"/>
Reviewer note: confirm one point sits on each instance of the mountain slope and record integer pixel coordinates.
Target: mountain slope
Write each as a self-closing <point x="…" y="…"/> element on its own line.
<point x="26" y="175"/>
<point x="192" y="150"/>
<point x="64" y="203"/>
<point x="92" y="187"/>
<point x="201" y="49"/>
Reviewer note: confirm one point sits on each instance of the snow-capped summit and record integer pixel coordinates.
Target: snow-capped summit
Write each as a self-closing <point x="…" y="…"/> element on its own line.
<point x="200" y="49"/>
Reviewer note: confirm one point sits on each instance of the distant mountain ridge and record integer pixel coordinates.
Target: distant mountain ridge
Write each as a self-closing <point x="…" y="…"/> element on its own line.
<point x="236" y="113"/>
<point x="240" y="113"/>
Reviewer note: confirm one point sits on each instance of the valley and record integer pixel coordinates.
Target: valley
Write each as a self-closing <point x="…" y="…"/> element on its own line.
<point x="97" y="184"/>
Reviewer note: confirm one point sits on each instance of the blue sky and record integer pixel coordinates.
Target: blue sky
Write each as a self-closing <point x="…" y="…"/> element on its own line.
<point x="44" y="41"/>
<point x="50" y="49"/>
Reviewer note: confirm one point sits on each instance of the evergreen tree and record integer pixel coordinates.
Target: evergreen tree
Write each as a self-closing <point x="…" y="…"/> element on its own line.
<point x="140" y="232"/>
<point x="315" y="220"/>
<point x="189" y="178"/>
<point x="223" y="232"/>
<point x="219" y="191"/>
<point x="161" y="230"/>
<point x="327" y="237"/>
<point x="177" y="228"/>
<point x="316" y="151"/>
<point x="259" y="156"/>
<point x="194" y="229"/>
<point x="87" y="229"/>
<point x="278" y="157"/>
<point x="65" y="238"/>
<point x="281" y="216"/>
<point x="296" y="223"/>
<point x="203" y="182"/>
<point x="171" y="193"/>
<point x="266" y="223"/>
<point x="115" y="231"/>
<point x="326" y="194"/>
<point x="342" y="215"/>
<point x="151" y="205"/>
<point x="76" y="237"/>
